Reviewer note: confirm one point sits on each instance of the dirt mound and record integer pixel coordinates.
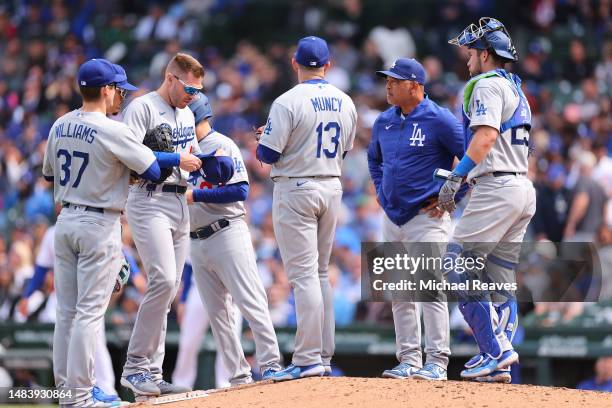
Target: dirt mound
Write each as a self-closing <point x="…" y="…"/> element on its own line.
<point x="351" y="392"/>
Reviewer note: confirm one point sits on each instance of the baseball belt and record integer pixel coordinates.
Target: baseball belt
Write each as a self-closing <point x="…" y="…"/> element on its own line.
<point x="86" y="207"/>
<point x="207" y="231"/>
<point x="497" y="174"/>
<point x="168" y="188"/>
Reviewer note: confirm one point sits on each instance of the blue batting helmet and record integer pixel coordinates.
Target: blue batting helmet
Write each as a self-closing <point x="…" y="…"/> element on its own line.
<point x="489" y="34"/>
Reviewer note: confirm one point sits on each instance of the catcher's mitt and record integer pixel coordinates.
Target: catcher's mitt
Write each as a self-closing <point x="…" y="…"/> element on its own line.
<point x="159" y="139"/>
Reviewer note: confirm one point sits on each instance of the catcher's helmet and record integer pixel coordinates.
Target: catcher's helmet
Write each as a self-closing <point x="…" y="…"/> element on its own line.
<point x="488" y="34"/>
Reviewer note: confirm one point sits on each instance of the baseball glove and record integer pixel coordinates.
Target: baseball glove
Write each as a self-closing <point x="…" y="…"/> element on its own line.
<point x="159" y="139"/>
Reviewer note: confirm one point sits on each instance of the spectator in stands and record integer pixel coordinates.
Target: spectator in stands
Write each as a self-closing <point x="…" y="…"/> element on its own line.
<point x="578" y="66"/>
<point x="603" y="376"/>
<point x="553" y="201"/>
<point x="587" y="211"/>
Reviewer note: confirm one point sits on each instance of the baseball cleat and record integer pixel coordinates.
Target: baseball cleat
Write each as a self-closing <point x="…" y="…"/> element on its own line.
<point x="168" y="388"/>
<point x="93" y="402"/>
<point x="432" y="372"/>
<point x="507" y="358"/>
<point x="497" y="376"/>
<point x="402" y="370"/>
<point x="328" y="371"/>
<point x="268" y="373"/>
<point x="141" y="384"/>
<point x="100" y="395"/>
<point x="294" y="372"/>
<point x="474" y="361"/>
<point x="488" y="365"/>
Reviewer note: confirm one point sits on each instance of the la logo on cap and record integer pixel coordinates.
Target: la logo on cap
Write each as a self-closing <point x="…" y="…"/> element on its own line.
<point x="313" y="63"/>
<point x="393" y="66"/>
<point x="414" y="76"/>
<point x="83" y="83"/>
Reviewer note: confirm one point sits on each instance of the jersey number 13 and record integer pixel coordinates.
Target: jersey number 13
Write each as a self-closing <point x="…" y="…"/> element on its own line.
<point x="331" y="130"/>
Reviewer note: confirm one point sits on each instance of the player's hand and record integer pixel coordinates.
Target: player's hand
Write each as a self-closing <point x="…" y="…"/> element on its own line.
<point x="446" y="197"/>
<point x="189" y="162"/>
<point x="432" y="209"/>
<point x="189" y="197"/>
<point x="258" y="131"/>
<point x="23" y="307"/>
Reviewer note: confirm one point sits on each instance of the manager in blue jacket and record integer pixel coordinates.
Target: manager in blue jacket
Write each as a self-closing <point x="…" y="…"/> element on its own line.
<point x="409" y="141"/>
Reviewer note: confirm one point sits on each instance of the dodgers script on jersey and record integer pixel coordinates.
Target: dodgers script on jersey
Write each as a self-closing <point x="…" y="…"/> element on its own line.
<point x="202" y="214"/>
<point x="509" y="153"/>
<point x="84" y="151"/>
<point x="150" y="110"/>
<point x="333" y="116"/>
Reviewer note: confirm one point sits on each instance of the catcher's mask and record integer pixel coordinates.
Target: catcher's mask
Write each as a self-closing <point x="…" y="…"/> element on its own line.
<point x="488" y="34"/>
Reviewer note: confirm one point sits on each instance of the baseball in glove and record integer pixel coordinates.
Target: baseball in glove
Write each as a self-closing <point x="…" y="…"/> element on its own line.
<point x="159" y="139"/>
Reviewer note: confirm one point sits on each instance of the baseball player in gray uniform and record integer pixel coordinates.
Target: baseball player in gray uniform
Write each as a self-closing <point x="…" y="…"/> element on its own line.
<point x="223" y="258"/>
<point x="497" y="119"/>
<point x="309" y="130"/>
<point x="159" y="221"/>
<point x="88" y="158"/>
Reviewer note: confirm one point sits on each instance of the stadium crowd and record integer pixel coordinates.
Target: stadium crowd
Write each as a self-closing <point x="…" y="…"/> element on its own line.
<point x="566" y="67"/>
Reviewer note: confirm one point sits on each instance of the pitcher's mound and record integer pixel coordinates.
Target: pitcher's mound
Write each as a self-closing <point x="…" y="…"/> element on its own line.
<point x="352" y="392"/>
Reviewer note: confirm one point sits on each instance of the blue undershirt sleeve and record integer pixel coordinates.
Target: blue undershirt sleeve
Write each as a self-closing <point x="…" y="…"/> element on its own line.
<point x="267" y="155"/>
<point x="223" y="194"/>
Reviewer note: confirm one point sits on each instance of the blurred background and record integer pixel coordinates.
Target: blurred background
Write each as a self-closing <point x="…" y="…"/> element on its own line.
<point x="565" y="50"/>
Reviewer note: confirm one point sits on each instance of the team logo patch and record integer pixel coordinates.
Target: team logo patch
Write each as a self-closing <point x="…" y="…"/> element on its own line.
<point x="481" y="109"/>
<point x="418" y="137"/>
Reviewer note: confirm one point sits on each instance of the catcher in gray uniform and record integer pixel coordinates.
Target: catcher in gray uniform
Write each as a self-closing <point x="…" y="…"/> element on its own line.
<point x="223" y="258"/>
<point x="159" y="219"/>
<point x="497" y="119"/>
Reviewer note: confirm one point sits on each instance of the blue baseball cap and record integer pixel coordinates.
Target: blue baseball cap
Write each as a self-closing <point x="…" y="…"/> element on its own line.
<point x="97" y="73"/>
<point x="200" y="107"/>
<point x="407" y="69"/>
<point x="312" y="52"/>
<point x="123" y="84"/>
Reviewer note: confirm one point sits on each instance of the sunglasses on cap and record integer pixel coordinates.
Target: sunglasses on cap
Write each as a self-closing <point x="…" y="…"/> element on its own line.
<point x="189" y="90"/>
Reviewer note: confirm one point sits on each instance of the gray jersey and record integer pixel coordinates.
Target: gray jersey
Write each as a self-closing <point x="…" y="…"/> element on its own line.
<point x="312" y="125"/>
<point x="493" y="102"/>
<point x="150" y="110"/>
<point x="202" y="214"/>
<point x="85" y="153"/>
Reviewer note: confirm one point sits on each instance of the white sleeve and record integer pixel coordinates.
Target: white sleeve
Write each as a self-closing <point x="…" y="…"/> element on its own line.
<point x="195" y="145"/>
<point x="138" y="118"/>
<point x="240" y="171"/>
<point x="46" y="251"/>
<point x="486" y="107"/>
<point x="278" y="128"/>
<point x="47" y="169"/>
<point x="353" y="130"/>
<point x="129" y="150"/>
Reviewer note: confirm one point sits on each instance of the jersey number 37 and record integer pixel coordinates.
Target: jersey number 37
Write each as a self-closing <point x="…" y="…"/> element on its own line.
<point x="330" y="131"/>
<point x="66" y="167"/>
